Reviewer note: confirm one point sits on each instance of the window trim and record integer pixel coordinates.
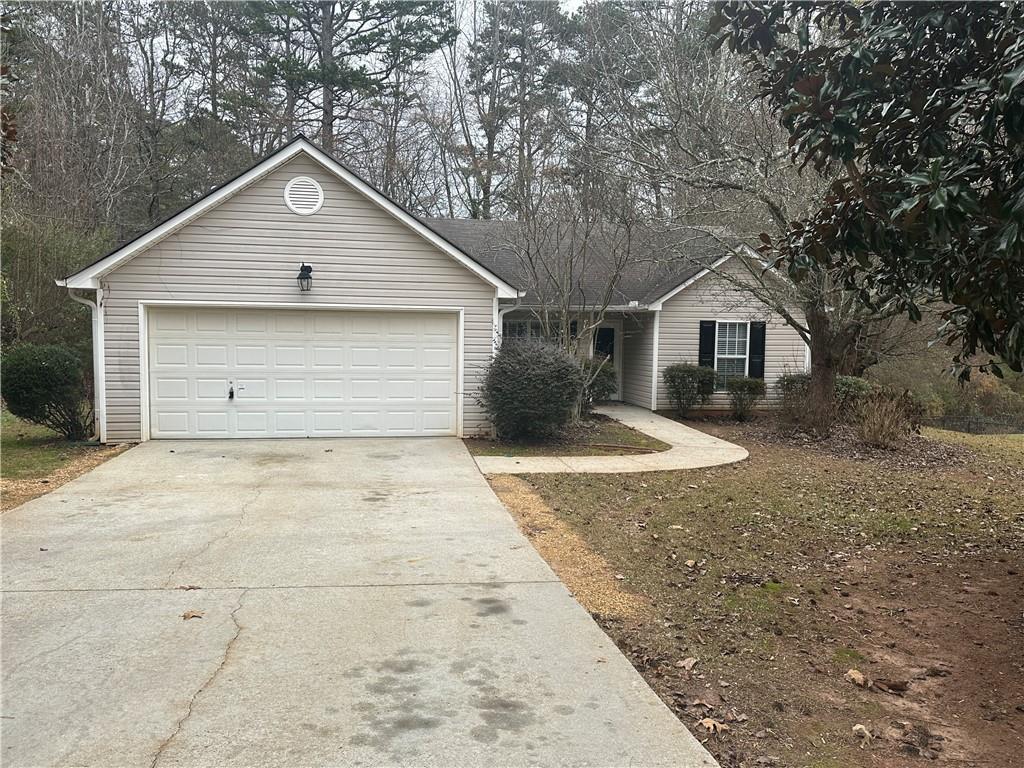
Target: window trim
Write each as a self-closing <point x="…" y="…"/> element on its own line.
<point x="745" y="356"/>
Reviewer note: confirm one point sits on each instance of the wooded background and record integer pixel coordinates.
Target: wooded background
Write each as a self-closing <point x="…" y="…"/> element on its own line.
<point x="126" y="111"/>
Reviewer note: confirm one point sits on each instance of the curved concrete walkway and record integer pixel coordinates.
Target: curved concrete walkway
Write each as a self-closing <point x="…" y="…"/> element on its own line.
<point x="691" y="449"/>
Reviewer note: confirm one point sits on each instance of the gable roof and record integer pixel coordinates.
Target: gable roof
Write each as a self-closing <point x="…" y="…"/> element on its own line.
<point x="664" y="263"/>
<point x="89" y="276"/>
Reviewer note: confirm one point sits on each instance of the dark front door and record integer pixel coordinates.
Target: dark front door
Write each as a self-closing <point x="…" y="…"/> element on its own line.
<point x="604" y="346"/>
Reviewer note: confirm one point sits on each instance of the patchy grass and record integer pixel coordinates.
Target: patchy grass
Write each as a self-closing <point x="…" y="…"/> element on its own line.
<point x="34" y="460"/>
<point x="782" y="572"/>
<point x="30" y="451"/>
<point x="597" y="436"/>
<point x="998" y="447"/>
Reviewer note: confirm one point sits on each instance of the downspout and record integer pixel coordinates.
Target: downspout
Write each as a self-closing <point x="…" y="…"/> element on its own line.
<point x="654" y="360"/>
<point x="499" y="321"/>
<point x="98" y="365"/>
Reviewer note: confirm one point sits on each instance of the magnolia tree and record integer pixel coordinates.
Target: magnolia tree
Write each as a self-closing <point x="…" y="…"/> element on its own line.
<point x="916" y="113"/>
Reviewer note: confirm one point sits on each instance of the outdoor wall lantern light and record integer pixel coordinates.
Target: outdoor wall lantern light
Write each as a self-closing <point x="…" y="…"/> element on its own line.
<point x="305" y="277"/>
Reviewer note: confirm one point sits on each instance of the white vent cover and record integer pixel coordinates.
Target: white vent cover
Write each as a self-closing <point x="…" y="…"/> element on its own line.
<point x="303" y="195"/>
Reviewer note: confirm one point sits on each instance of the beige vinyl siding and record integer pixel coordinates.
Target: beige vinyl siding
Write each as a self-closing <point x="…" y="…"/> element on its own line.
<point x="248" y="249"/>
<point x="637" y="359"/>
<point x="714" y="298"/>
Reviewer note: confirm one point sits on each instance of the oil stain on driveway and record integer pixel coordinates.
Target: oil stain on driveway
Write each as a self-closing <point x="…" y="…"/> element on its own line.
<point x="355" y="602"/>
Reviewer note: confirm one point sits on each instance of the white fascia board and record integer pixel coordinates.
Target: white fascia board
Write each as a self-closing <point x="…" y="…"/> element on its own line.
<point x="90" y="276"/>
<point x="655" y="305"/>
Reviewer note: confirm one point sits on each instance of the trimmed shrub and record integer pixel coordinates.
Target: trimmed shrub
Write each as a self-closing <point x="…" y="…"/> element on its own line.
<point x="887" y="418"/>
<point x="46" y="385"/>
<point x="793" y="389"/>
<point x="530" y="389"/>
<point x="601" y="381"/>
<point x="743" y="394"/>
<point x="688" y="385"/>
<point x="850" y="393"/>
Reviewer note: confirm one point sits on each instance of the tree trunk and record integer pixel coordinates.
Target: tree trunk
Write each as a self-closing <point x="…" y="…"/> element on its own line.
<point x="822" y="390"/>
<point x="326" y="70"/>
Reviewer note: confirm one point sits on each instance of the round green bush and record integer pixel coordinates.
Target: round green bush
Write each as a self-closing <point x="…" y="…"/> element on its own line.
<point x="531" y="389"/>
<point x="46" y="385"/>
<point x="688" y="384"/>
<point x="851" y="391"/>
<point x="743" y="394"/>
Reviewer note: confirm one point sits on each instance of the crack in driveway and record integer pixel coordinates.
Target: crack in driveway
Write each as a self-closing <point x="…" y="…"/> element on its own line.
<point x="206" y="684"/>
<point x="216" y="539"/>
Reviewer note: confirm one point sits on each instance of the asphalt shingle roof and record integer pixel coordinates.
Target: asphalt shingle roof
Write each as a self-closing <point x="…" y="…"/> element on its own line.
<point x="657" y="262"/>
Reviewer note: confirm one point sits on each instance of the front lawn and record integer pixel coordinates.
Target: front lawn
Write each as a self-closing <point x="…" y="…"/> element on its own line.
<point x="597" y="435"/>
<point x="769" y="580"/>
<point x="35" y="460"/>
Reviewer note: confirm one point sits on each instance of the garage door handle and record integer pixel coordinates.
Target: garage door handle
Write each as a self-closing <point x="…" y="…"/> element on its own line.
<point x="231" y="393"/>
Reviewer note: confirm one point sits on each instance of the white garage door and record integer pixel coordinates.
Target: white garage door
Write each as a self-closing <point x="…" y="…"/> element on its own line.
<point x="300" y="373"/>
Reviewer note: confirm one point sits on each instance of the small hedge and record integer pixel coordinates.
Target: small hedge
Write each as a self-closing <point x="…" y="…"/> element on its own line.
<point x="688" y="385"/>
<point x="46" y="385"/>
<point x="530" y="389"/>
<point x="743" y="395"/>
<point x="851" y="392"/>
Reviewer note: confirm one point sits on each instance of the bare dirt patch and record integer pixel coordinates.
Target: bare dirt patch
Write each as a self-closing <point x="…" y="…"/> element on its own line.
<point x="769" y="580"/>
<point x="588" y="576"/>
<point x="15" y="492"/>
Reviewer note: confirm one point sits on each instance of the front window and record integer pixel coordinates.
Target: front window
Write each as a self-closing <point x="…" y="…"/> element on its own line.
<point x="730" y="353"/>
<point x="520" y="329"/>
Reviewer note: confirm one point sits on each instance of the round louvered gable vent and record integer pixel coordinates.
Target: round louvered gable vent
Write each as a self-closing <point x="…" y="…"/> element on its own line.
<point x="303" y="196"/>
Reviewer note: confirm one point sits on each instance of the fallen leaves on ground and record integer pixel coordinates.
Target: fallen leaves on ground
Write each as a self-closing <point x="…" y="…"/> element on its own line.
<point x="713" y="726"/>
<point x="192" y="615"/>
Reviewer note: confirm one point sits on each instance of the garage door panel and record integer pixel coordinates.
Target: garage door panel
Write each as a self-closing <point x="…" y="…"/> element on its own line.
<point x="328" y="389"/>
<point x="400" y="358"/>
<point x="251" y="389"/>
<point x="251" y="322"/>
<point x="171" y="389"/>
<point x="254" y="423"/>
<point x="328" y="421"/>
<point x="211" y="389"/>
<point x="173" y="422"/>
<point x="215" y="355"/>
<point x="401" y="389"/>
<point x="365" y="422"/>
<point x="438" y="389"/>
<point x="168" y="355"/>
<point x="366" y="389"/>
<point x="290" y="357"/>
<point x="289" y="421"/>
<point x="328" y="357"/>
<point x="290" y="389"/>
<point x="400" y="422"/>
<point x="290" y="323"/>
<point x="438" y="422"/>
<point x="437" y="358"/>
<point x="212" y="423"/>
<point x="330" y="323"/>
<point x="251" y="356"/>
<point x="365" y="357"/>
<point x="301" y="373"/>
<point x="211" y="322"/>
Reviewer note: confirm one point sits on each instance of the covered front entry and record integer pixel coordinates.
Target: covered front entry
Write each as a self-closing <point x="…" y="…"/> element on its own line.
<point x="216" y="372"/>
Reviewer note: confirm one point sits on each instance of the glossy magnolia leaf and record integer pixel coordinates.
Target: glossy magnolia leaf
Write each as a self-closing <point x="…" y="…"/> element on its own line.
<point x="934" y="200"/>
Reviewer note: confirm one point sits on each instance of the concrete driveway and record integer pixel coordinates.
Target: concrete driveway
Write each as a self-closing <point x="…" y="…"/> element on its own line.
<point x="363" y="602"/>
